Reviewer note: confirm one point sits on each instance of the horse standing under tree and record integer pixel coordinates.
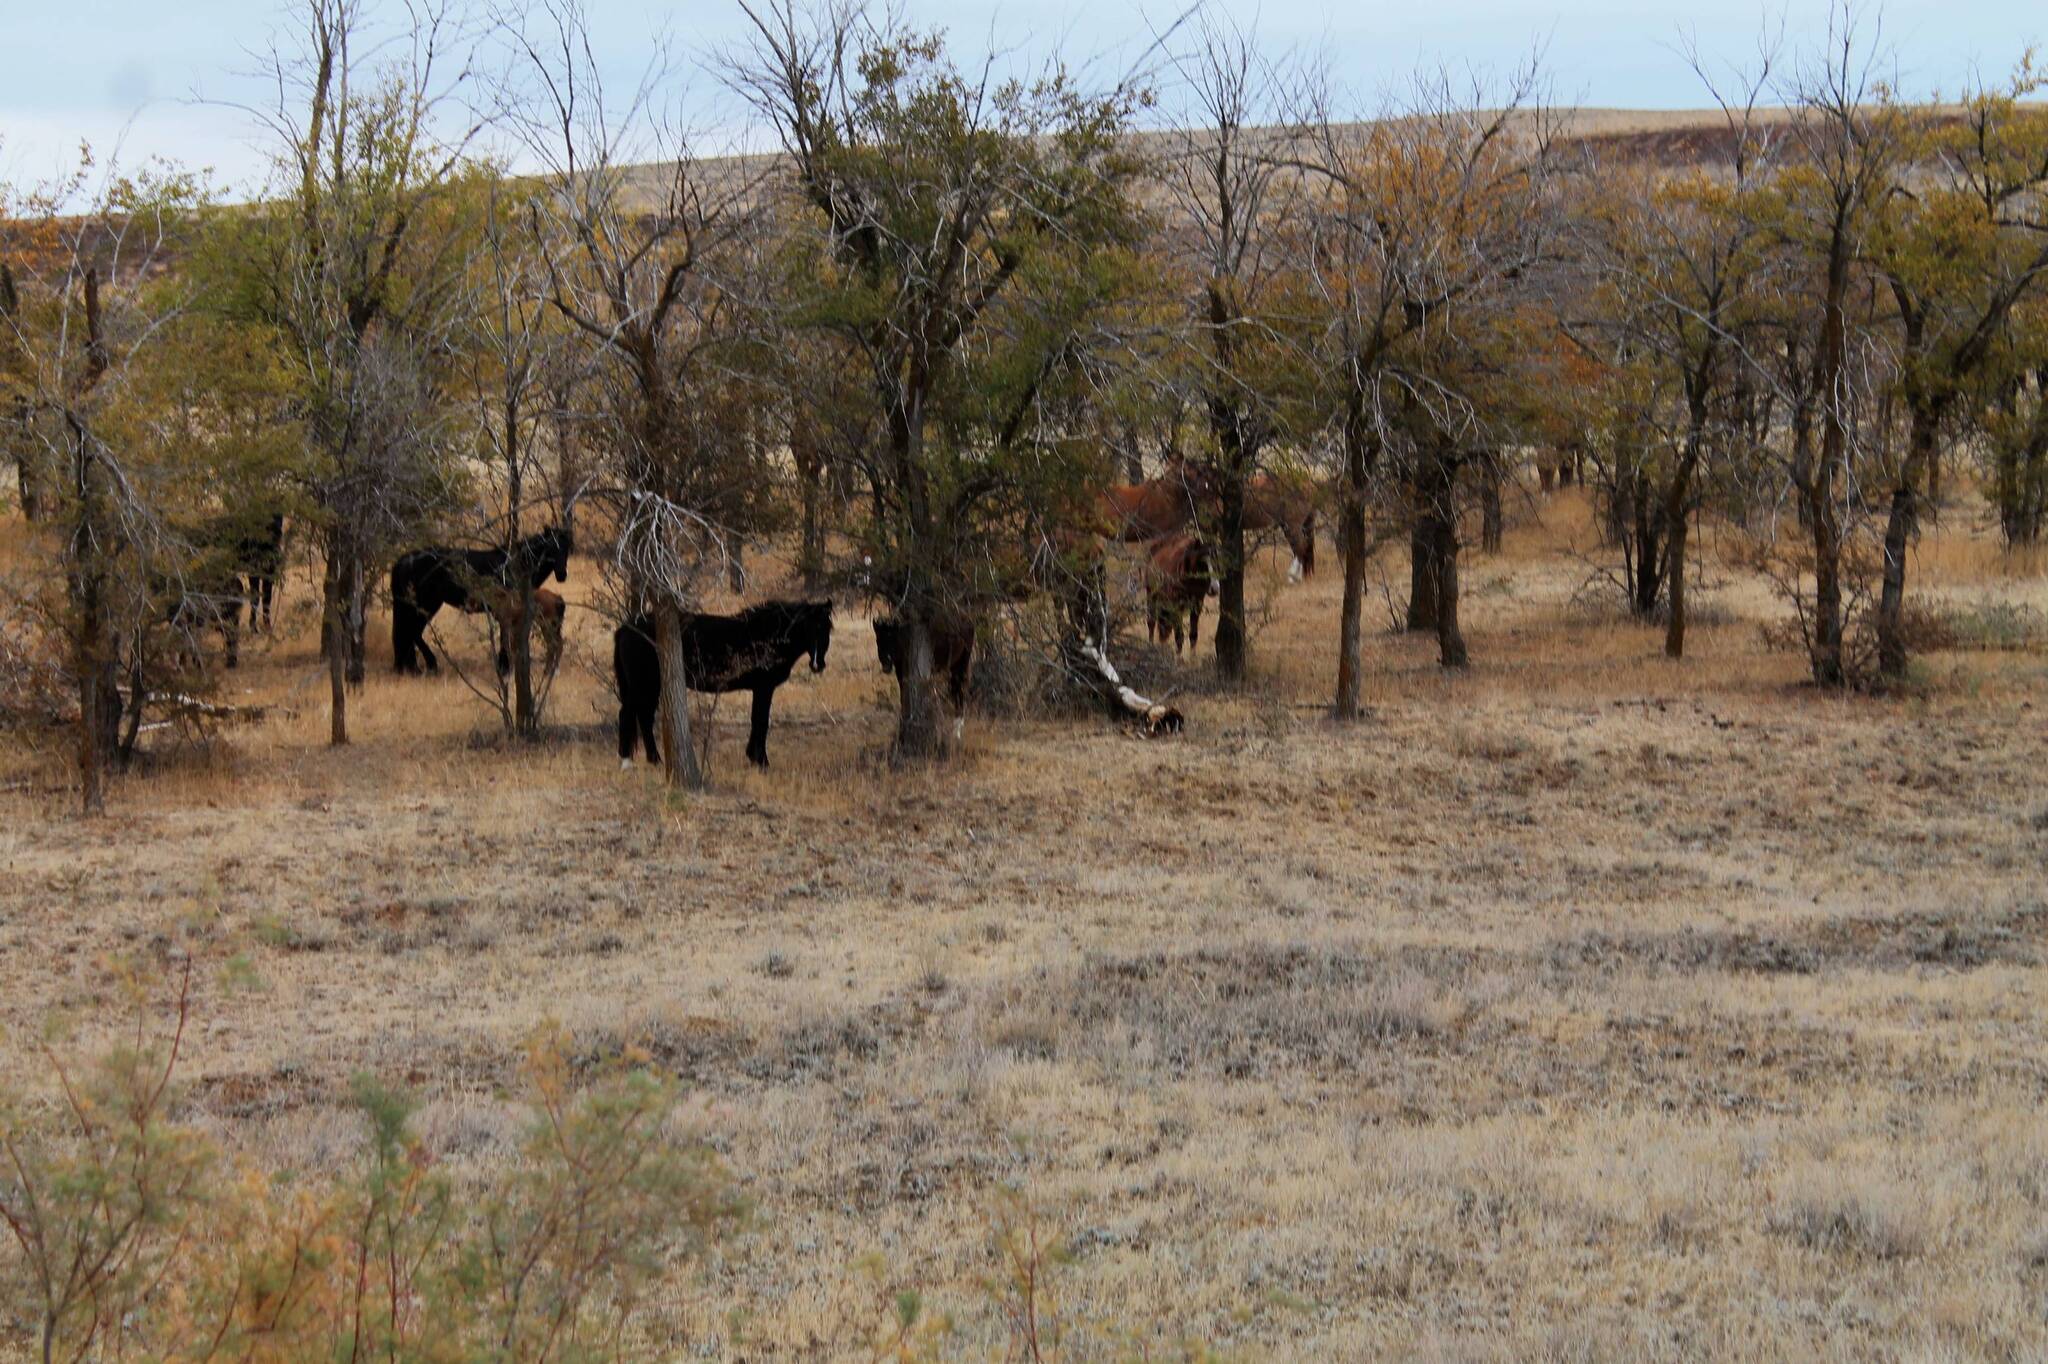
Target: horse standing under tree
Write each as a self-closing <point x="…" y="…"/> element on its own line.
<point x="425" y="580"/>
<point x="549" y="613"/>
<point x="952" y="655"/>
<point x="1176" y="582"/>
<point x="754" y="651"/>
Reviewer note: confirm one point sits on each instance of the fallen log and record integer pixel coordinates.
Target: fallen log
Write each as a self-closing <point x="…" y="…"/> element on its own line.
<point x="1154" y="718"/>
<point x="174" y="706"/>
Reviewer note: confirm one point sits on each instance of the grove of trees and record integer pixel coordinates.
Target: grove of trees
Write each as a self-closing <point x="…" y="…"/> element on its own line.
<point x="952" y="299"/>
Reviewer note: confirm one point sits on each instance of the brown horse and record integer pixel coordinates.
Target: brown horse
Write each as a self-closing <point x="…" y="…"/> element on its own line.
<point x="1173" y="503"/>
<point x="549" y="611"/>
<point x="1176" y="581"/>
<point x="1271" y="504"/>
<point x="1138" y="512"/>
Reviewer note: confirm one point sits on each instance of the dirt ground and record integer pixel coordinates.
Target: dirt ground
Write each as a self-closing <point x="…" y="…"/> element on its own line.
<point x="1586" y="1005"/>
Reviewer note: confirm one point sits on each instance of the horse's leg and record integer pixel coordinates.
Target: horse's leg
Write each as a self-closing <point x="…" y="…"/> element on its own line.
<point x="424" y="618"/>
<point x="404" y="633"/>
<point x="627" y="725"/>
<point x="757" y="738"/>
<point x="1195" y="624"/>
<point x="649" y="707"/>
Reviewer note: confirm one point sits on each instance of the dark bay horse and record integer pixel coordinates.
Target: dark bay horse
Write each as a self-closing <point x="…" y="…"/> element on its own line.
<point x="952" y="654"/>
<point x="1176" y="582"/>
<point x="754" y="651"/>
<point x="425" y="580"/>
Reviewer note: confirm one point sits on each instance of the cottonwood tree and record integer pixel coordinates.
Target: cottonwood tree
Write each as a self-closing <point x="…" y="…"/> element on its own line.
<point x="645" y="270"/>
<point x="962" y="232"/>
<point x="356" y="260"/>
<point x="1424" y="228"/>
<point x="1961" y="240"/>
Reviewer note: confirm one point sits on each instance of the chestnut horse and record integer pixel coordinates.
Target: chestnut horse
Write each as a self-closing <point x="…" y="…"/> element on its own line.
<point x="1270" y="504"/>
<point x="549" y="611"/>
<point x="1169" y="505"/>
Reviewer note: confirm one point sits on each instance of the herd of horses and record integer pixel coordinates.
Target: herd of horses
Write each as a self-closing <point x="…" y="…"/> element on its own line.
<point x="756" y="649"/>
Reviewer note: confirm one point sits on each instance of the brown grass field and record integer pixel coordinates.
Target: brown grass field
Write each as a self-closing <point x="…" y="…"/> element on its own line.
<point x="1584" y="1006"/>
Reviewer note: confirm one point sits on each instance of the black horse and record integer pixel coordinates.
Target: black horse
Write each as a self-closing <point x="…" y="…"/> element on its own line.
<point x="952" y="654"/>
<point x="753" y="651"/>
<point x="259" y="558"/>
<point x="425" y="580"/>
<point x="233" y="561"/>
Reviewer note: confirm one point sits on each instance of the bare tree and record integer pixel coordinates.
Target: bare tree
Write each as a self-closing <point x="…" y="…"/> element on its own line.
<point x="1232" y="193"/>
<point x="357" y="264"/>
<point x="1681" y="261"/>
<point x="634" y="264"/>
<point x="1844" y="145"/>
<point x="1425" y="229"/>
<point x="509" y="356"/>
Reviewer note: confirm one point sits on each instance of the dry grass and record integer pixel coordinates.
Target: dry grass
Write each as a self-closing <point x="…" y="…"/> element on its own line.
<point x="1584" y="1006"/>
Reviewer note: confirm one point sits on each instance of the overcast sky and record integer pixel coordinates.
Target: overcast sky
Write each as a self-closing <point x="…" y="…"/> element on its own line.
<point x="133" y="72"/>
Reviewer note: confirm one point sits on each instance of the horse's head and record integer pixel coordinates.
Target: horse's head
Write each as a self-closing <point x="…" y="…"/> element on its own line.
<point x="1301" y="538"/>
<point x="559" y="544"/>
<point x="888" y="644"/>
<point x="819" y="638"/>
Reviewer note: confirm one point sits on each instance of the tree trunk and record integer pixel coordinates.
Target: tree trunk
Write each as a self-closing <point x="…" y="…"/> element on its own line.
<point x="810" y="555"/>
<point x="334" y="636"/>
<point x="358" y="624"/>
<point x="1674" y="573"/>
<point x="919" y="734"/>
<point x="99" y="711"/>
<point x="1233" y="641"/>
<point x="1358" y="458"/>
<point x="1826" y="643"/>
<point x="1422" y="576"/>
<point x="1645" y="542"/>
<point x="1830" y="386"/>
<point x="1450" y="640"/>
<point x="1490" y="517"/>
<point x="1677" y="526"/>
<point x="678" y="755"/>
<point x="1898" y="533"/>
<point x="1440" y="524"/>
<point x="525" y="715"/>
